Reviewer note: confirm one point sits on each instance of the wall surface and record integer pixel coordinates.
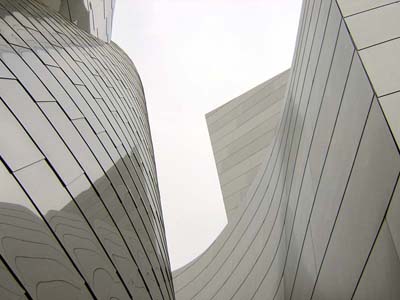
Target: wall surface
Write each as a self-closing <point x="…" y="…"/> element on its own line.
<point x="80" y="213"/>
<point x="241" y="132"/>
<point x="93" y="16"/>
<point x="320" y="220"/>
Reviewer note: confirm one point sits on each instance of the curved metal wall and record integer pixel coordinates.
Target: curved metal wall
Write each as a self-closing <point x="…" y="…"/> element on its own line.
<point x="80" y="213"/>
<point x="241" y="132"/>
<point x="93" y="16"/>
<point x="320" y="221"/>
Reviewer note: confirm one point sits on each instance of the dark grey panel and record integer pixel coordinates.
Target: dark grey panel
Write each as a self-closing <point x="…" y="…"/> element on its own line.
<point x="9" y="287"/>
<point x="30" y="249"/>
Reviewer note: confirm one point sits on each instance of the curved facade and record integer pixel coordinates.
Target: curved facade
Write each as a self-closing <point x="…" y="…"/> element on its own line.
<point x="80" y="213"/>
<point x="320" y="219"/>
<point x="93" y="16"/>
<point x="241" y="132"/>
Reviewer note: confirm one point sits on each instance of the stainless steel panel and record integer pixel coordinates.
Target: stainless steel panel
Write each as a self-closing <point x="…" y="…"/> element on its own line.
<point x="324" y="188"/>
<point x="362" y="210"/>
<point x="16" y="147"/>
<point x="71" y="114"/>
<point x="40" y="130"/>
<point x="382" y="272"/>
<point x="9" y="287"/>
<point x="30" y="249"/>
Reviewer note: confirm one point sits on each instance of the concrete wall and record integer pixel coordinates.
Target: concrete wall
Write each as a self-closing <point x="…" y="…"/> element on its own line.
<point x="80" y="212"/>
<point x="241" y="132"/>
<point x="321" y="219"/>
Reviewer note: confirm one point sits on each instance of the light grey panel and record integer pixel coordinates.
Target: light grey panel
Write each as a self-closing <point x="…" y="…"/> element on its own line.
<point x="383" y="66"/>
<point x="54" y="87"/>
<point x="231" y="159"/>
<point x="307" y="271"/>
<point x="256" y="127"/>
<point x="4" y="72"/>
<point x="38" y="49"/>
<point x="251" y="162"/>
<point x="73" y="140"/>
<point x="61" y="61"/>
<point x="77" y="98"/>
<point x="18" y="15"/>
<point x="230" y="111"/>
<point x="391" y="108"/>
<point x="259" y="133"/>
<point x="350" y="7"/>
<point x="40" y="130"/>
<point x="280" y="295"/>
<point x="16" y="147"/>
<point x="54" y="197"/>
<point x="19" y="69"/>
<point x="7" y="32"/>
<point x="240" y="182"/>
<point x="297" y="231"/>
<point x="375" y="26"/>
<point x="240" y="132"/>
<point x="332" y="98"/>
<point x="362" y="210"/>
<point x="380" y="279"/>
<point x="393" y="219"/>
<point x="341" y="150"/>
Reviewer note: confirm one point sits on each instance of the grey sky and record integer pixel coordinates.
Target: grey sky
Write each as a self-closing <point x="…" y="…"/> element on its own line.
<point x="193" y="56"/>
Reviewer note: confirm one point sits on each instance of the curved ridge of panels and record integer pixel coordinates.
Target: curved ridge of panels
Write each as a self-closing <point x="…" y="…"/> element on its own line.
<point x="320" y="220"/>
<point x="80" y="214"/>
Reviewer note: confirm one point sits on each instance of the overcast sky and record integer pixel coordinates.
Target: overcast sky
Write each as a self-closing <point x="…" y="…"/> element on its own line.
<point x="193" y="56"/>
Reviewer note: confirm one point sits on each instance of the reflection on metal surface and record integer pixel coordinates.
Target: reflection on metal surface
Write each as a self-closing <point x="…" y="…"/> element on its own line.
<point x="320" y="218"/>
<point x="80" y="214"/>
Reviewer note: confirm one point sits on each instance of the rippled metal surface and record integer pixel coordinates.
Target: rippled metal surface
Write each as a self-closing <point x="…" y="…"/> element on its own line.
<point x="80" y="214"/>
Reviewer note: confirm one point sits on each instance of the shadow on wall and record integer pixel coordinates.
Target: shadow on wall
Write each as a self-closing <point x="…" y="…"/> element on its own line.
<point x="80" y="209"/>
<point x="78" y="13"/>
<point x="31" y="251"/>
<point x="74" y="10"/>
<point x="93" y="16"/>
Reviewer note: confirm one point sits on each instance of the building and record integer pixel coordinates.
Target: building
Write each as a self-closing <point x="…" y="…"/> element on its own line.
<point x="241" y="132"/>
<point x="308" y="164"/>
<point x="320" y="218"/>
<point x="80" y="212"/>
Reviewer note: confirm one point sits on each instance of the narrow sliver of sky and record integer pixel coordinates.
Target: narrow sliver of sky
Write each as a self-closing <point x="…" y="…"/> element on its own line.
<point x="193" y="56"/>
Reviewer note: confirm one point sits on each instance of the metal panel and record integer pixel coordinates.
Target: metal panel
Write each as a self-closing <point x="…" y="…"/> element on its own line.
<point x="76" y="135"/>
